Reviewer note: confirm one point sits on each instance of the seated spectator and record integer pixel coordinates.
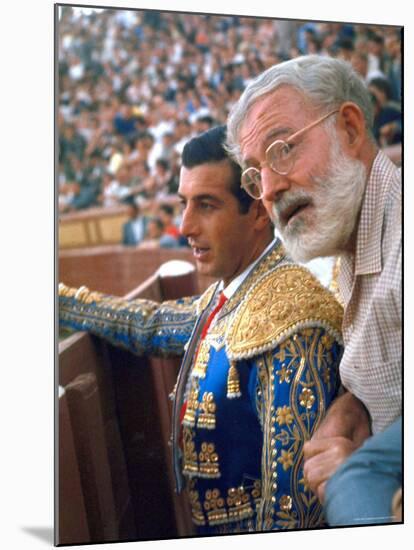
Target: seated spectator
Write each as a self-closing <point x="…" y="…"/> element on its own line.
<point x="360" y="63"/>
<point x="344" y="49"/>
<point x="154" y="232"/>
<point x="164" y="178"/>
<point x="387" y="113"/>
<point x="71" y="149"/>
<point x="67" y="192"/>
<point x="115" y="155"/>
<point x="375" y="48"/>
<point x="182" y="134"/>
<point x="116" y="190"/>
<point x="393" y="63"/>
<point x="202" y="123"/>
<point x="171" y="236"/>
<point x="135" y="229"/>
<point x="85" y="187"/>
<point x="139" y="173"/>
<point x="124" y="123"/>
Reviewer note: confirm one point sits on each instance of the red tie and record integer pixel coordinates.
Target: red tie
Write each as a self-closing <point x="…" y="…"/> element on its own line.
<point x="207" y="324"/>
<point x="213" y="313"/>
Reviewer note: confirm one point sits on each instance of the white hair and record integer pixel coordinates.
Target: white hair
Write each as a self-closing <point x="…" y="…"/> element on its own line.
<point x="324" y="81"/>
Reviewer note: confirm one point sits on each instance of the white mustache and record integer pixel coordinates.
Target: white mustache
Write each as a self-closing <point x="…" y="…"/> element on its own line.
<point x="287" y="201"/>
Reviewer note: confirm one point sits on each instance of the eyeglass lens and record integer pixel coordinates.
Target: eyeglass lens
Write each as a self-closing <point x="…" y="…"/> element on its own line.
<point x="252" y="183"/>
<point x="280" y="157"/>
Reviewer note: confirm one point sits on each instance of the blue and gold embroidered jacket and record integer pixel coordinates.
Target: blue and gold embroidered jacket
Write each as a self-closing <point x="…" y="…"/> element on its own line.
<point x="255" y="389"/>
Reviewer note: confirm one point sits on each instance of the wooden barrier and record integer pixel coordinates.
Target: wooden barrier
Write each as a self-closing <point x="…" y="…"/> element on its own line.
<point x="72" y="526"/>
<point x="117" y="269"/>
<point x="92" y="227"/>
<point x="85" y="375"/>
<point x="114" y="427"/>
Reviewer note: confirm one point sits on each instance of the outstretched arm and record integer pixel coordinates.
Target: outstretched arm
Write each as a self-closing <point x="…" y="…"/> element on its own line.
<point x="141" y="326"/>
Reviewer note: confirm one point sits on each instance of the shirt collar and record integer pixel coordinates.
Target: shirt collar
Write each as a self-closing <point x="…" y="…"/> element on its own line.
<point x="236" y="282"/>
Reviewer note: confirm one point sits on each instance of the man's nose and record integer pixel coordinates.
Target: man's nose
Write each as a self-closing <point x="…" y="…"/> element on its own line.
<point x="272" y="184"/>
<point x="188" y="225"/>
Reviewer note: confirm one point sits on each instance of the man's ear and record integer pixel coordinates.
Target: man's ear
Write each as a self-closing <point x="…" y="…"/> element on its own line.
<point x="261" y="217"/>
<point x="352" y="128"/>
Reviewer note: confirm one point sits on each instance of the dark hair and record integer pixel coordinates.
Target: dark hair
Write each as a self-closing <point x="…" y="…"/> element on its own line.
<point x="206" y="119"/>
<point x="163" y="163"/>
<point x="167" y="208"/>
<point x="377" y="38"/>
<point x="158" y="222"/>
<point x="345" y="44"/>
<point x="382" y="85"/>
<point x="208" y="148"/>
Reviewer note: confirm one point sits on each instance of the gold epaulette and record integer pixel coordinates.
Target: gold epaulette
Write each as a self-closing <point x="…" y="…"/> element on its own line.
<point x="282" y="302"/>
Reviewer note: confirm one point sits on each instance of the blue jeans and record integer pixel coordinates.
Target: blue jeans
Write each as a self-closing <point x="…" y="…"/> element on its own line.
<point x="361" y="490"/>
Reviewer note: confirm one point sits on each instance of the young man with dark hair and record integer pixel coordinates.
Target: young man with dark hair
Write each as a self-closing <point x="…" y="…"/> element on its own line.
<point x="262" y="346"/>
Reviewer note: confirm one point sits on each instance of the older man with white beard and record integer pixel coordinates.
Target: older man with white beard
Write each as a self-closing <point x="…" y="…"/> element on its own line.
<point x="302" y="133"/>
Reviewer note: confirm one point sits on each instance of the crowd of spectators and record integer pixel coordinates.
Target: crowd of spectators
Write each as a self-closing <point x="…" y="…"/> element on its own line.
<point x="134" y="86"/>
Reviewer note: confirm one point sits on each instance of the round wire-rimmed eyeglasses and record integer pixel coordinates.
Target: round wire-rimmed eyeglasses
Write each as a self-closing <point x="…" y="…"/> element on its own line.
<point x="280" y="157"/>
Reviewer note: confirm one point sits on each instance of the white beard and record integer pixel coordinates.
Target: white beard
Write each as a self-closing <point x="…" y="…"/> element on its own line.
<point x="336" y="203"/>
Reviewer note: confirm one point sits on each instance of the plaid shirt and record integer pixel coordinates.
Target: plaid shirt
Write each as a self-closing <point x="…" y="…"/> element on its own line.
<point x="370" y="286"/>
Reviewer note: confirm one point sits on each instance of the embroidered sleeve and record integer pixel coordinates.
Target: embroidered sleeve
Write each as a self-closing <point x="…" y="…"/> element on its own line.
<point x="141" y="326"/>
<point x="297" y="382"/>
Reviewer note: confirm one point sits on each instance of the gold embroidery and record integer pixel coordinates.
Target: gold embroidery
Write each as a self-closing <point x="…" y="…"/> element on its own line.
<point x="208" y="461"/>
<point x="239" y="504"/>
<point x="192" y="404"/>
<point x="303" y="481"/>
<point x="205" y="298"/>
<point x="66" y="290"/>
<point x="214" y="505"/>
<point x="289" y="426"/>
<point x="268" y="419"/>
<point x="216" y="509"/>
<point x="190" y="464"/>
<point x="196" y="508"/>
<point x="325" y="359"/>
<point x="306" y="352"/>
<point x="288" y="519"/>
<point x="203" y="356"/>
<point x="286" y="300"/>
<point x="285" y="503"/>
<point x="207" y="407"/>
<point x="286" y="459"/>
<point x="233" y="382"/>
<point x="261" y="269"/>
<point x="306" y="389"/>
<point x="284" y="415"/>
<point x="257" y="492"/>
<point x="284" y="374"/>
<point x="82" y="294"/>
<point x="306" y="398"/>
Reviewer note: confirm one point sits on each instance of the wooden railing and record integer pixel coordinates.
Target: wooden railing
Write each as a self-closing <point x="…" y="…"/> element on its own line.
<point x="116" y="269"/>
<point x="114" y="474"/>
<point x="92" y="227"/>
